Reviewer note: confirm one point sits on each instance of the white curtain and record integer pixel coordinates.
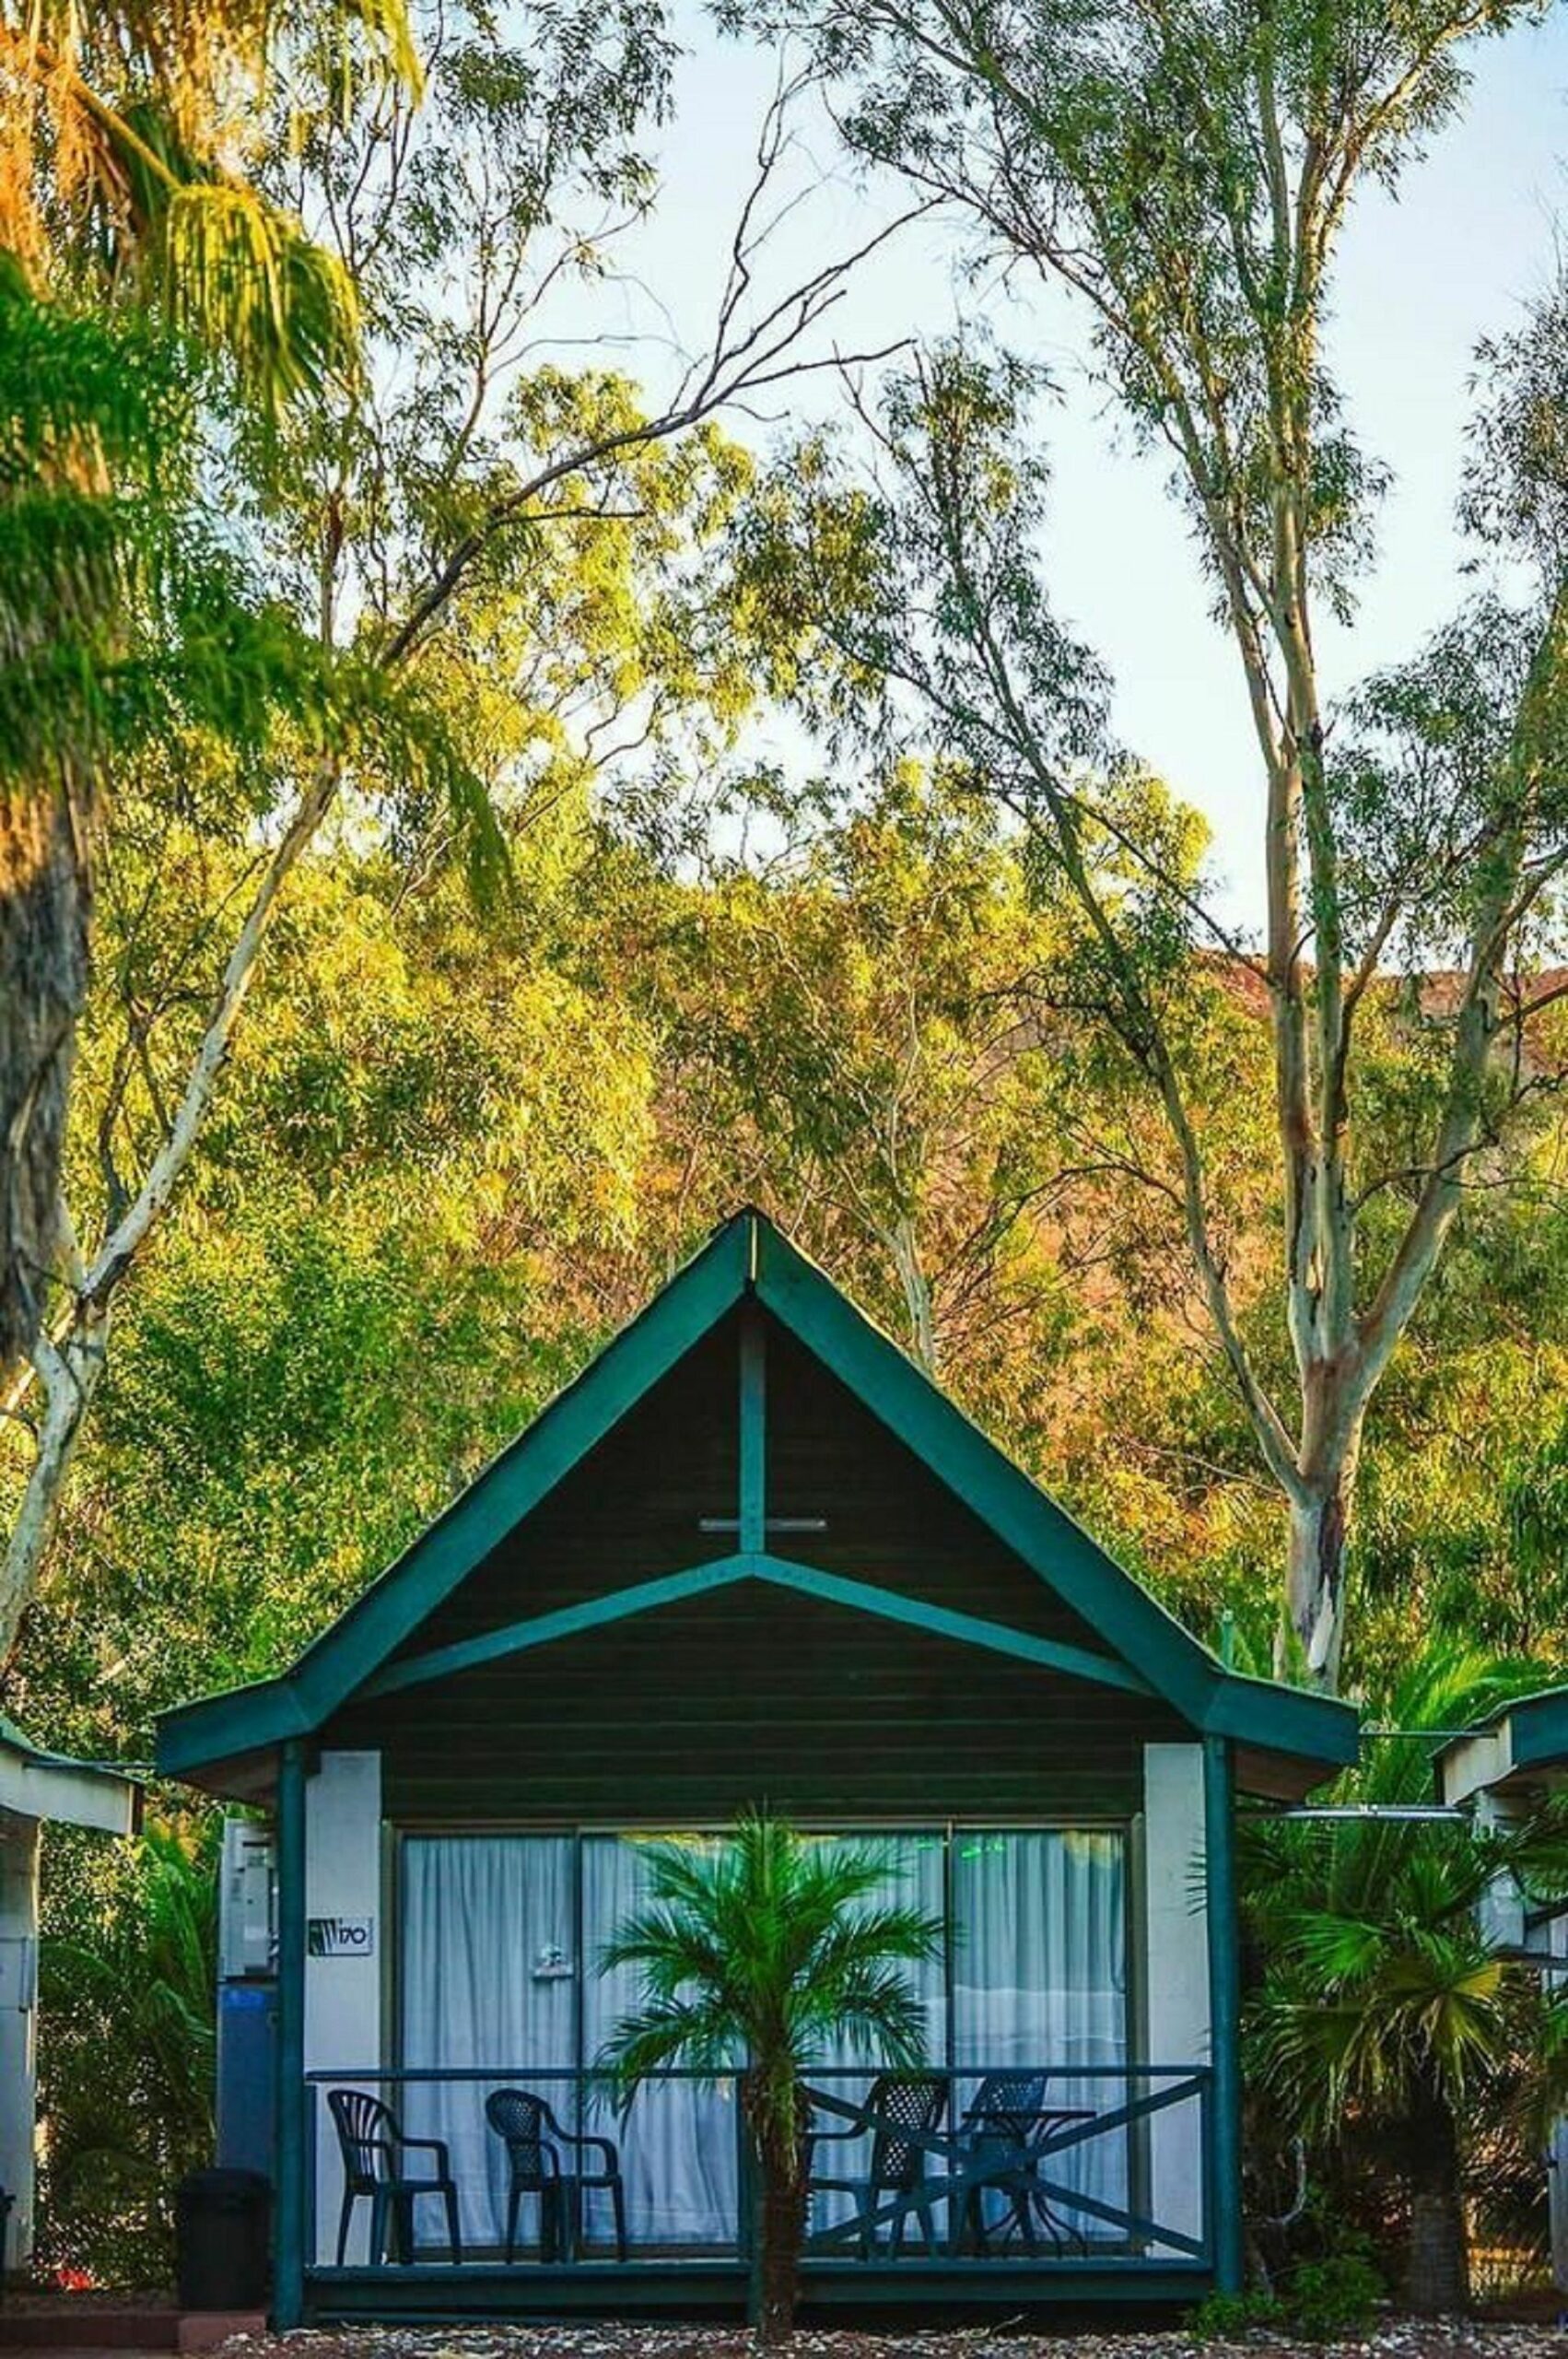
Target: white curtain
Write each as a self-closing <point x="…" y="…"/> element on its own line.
<point x="914" y="1878"/>
<point x="678" y="2142"/>
<point x="489" y="1980"/>
<point x="1040" y="1979"/>
<point x="492" y="1979"/>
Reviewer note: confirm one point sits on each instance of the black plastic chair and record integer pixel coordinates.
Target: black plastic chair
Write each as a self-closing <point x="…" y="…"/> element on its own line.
<point x="372" y="2146"/>
<point x="897" y="2104"/>
<point x="535" y="2139"/>
<point x="1000" y="2147"/>
<point x="995" y="2139"/>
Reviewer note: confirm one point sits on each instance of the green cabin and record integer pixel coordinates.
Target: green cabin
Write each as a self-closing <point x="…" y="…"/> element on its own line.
<point x="751" y="1556"/>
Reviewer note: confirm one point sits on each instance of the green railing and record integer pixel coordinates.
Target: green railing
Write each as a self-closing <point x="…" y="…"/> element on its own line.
<point x="1113" y="2166"/>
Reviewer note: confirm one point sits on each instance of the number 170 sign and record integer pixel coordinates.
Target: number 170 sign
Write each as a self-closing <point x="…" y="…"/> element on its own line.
<point x="339" y="1937"/>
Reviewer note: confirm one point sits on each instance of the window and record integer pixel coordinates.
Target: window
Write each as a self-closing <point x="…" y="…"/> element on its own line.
<point x="500" y="1938"/>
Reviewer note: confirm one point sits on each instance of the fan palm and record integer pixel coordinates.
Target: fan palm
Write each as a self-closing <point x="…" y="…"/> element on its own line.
<point x="762" y="1957"/>
<point x="1387" y="2002"/>
<point x="123" y="141"/>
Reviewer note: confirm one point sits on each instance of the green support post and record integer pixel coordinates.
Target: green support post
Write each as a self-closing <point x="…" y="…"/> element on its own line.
<point x="290" y="2228"/>
<point x="752" y="1506"/>
<point x="1224" y="2007"/>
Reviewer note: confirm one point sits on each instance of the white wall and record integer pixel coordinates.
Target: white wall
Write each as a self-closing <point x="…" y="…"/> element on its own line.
<point x="343" y="1994"/>
<point x="1175" y="1972"/>
<point x="18" y="2027"/>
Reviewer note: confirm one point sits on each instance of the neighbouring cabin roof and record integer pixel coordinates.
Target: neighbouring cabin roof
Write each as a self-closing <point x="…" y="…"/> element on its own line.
<point x="38" y="1784"/>
<point x="1522" y="1744"/>
<point x="1022" y="1584"/>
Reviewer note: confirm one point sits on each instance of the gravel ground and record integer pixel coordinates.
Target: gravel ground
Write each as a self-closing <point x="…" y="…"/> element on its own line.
<point x="1396" y="2339"/>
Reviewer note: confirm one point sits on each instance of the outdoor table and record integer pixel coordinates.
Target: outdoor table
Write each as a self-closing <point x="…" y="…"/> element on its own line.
<point x="1017" y="2140"/>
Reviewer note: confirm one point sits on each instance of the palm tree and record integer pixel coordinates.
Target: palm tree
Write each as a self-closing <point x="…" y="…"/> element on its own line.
<point x="129" y="628"/>
<point x="763" y="1955"/>
<point x="1387" y="2005"/>
<point x="122" y="180"/>
<point x="124" y="153"/>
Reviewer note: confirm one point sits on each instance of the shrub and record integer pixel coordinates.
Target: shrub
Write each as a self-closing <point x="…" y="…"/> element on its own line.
<point x="1334" y="2296"/>
<point x="1226" y="2317"/>
<point x="125" y="2046"/>
<point x="1321" y="2300"/>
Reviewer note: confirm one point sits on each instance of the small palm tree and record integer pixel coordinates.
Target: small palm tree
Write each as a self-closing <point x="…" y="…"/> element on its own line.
<point x="1387" y="2005"/>
<point x="761" y="1957"/>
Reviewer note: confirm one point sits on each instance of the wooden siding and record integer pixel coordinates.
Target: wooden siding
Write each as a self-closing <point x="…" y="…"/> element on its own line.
<point x="749" y="1696"/>
<point x="633" y="1509"/>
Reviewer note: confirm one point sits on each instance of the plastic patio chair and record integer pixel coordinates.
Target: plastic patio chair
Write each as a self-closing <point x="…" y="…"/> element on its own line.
<point x="372" y="2146"/>
<point x="536" y="2141"/>
<point x="895" y="2105"/>
<point x="999" y="2147"/>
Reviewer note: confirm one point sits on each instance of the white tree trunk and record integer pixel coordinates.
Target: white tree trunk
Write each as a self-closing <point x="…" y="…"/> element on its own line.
<point x="70" y="1376"/>
<point x="1315" y="1572"/>
<point x="70" y="1366"/>
<point x="917" y="1293"/>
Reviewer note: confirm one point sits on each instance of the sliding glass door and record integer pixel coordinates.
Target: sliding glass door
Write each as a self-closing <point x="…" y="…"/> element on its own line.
<point x="489" y="1983"/>
<point x="679" y="2142"/>
<point x="1039" y="1978"/>
<point x="914" y="1876"/>
<point x="498" y="1974"/>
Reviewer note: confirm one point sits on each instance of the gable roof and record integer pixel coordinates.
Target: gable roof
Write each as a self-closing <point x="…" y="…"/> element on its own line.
<point x="748" y="1259"/>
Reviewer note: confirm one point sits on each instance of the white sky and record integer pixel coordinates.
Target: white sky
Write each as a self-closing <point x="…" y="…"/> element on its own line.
<point x="1469" y="241"/>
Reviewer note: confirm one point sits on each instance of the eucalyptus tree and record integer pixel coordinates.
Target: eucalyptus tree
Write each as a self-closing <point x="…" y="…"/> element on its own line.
<point x="1185" y="172"/>
<point x="851" y="1025"/>
<point x="476" y="530"/>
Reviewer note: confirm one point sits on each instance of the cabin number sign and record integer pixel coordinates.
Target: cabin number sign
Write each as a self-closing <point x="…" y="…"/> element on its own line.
<point x="339" y="1937"/>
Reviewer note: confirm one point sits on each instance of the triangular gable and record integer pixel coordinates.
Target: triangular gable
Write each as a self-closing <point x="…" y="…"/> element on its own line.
<point x="749" y="1258"/>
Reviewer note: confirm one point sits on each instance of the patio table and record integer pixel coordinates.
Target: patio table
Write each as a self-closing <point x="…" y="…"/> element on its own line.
<point x="1018" y="2140"/>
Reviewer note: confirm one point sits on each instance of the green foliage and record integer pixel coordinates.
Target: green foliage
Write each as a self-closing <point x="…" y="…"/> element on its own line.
<point x="1231" y="2318"/>
<point x="130" y="622"/>
<point x="1386" y="2012"/>
<point x="762" y="1954"/>
<point x="121" y="174"/>
<point x="766" y="1950"/>
<point x="1329" y="2300"/>
<point x="1383" y="1985"/>
<point x="1187" y="173"/>
<point x="126" y="2045"/>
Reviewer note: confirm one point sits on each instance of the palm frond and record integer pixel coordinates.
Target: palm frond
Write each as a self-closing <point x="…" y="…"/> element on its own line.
<point x="240" y="276"/>
<point x="1381" y="1991"/>
<point x="769" y="1947"/>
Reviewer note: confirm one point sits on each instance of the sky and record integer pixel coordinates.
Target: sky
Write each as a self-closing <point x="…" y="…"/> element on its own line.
<point x="1471" y="239"/>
